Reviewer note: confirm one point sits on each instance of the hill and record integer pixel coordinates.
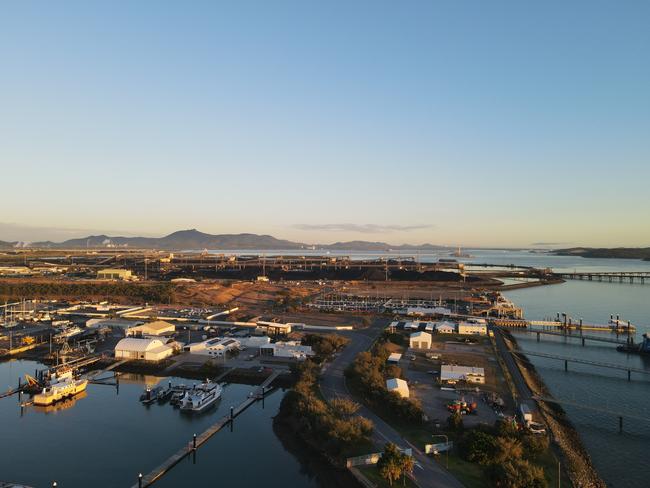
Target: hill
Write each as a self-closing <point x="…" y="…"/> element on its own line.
<point x="196" y="240"/>
<point x="183" y="239"/>
<point x="602" y="252"/>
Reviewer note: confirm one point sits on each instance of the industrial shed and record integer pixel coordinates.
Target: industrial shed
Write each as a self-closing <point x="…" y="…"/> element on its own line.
<point x="157" y="328"/>
<point x="114" y="274"/>
<point x="142" y="349"/>
<point x="420" y="340"/>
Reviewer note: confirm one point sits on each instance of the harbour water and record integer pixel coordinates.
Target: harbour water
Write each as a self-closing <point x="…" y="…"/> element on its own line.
<point x="104" y="439"/>
<point x="110" y="438"/>
<point x="619" y="458"/>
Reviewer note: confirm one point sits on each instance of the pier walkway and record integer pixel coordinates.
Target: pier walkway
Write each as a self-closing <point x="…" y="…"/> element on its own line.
<point x="611" y="277"/>
<point x="583" y="337"/>
<point x="568" y="360"/>
<point x="201" y="439"/>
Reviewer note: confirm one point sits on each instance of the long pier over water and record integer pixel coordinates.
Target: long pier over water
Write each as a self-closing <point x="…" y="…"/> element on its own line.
<point x="568" y="360"/>
<point x="611" y="277"/>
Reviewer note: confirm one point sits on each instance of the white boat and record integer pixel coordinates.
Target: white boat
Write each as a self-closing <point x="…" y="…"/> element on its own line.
<point x="69" y="332"/>
<point x="201" y="397"/>
<point x="61" y="386"/>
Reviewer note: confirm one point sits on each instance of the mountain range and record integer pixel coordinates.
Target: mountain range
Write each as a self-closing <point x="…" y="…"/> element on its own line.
<point x="194" y="239"/>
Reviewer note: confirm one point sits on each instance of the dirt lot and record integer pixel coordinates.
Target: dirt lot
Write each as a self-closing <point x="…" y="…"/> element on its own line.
<point x="414" y="289"/>
<point x="243" y="294"/>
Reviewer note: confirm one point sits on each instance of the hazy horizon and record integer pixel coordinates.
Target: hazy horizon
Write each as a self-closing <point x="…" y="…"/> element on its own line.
<point x="18" y="233"/>
<point x="454" y="123"/>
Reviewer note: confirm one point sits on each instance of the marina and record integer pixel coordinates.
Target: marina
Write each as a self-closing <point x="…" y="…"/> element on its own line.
<point x="153" y="433"/>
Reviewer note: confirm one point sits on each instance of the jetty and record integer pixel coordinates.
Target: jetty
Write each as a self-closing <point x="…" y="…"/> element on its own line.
<point x="568" y="360"/>
<point x="580" y="337"/>
<point x="199" y="440"/>
<point x="610" y="277"/>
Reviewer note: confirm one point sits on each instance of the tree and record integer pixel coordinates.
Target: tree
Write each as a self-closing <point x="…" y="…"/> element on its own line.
<point x="506" y="449"/>
<point x="478" y="447"/>
<point x="517" y="473"/>
<point x="534" y="445"/>
<point x="343" y="406"/>
<point x="507" y="428"/>
<point x="455" y="421"/>
<point x="393" y="464"/>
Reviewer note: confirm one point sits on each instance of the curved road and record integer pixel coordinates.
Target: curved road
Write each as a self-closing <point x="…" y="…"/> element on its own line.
<point x="428" y="473"/>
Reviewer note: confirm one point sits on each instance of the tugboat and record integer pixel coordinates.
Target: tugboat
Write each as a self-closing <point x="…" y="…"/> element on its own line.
<point x="62" y="385"/>
<point x="150" y="395"/>
<point x="643" y="348"/>
<point x="201" y="398"/>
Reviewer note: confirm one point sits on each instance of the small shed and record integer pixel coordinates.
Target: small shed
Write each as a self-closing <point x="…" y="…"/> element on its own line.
<point x="398" y="385"/>
<point x="420" y="340"/>
<point x="394" y="357"/>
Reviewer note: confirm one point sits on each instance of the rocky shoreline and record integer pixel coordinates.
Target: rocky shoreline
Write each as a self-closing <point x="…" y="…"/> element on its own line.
<point x="574" y="456"/>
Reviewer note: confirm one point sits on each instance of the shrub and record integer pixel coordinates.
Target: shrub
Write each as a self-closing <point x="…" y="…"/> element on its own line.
<point x="478" y="447"/>
<point x="517" y="473"/>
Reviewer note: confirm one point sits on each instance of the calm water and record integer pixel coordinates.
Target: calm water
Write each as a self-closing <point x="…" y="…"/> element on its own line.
<point x="619" y="458"/>
<point x="104" y="439"/>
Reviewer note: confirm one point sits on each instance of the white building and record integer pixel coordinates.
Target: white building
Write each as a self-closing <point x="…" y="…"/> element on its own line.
<point x="473" y="326"/>
<point x="394" y="357"/>
<point x="398" y="385"/>
<point x="121" y="324"/>
<point x="142" y="349"/>
<point x="216" y="347"/>
<point x="152" y="329"/>
<point x="288" y="350"/>
<point x="445" y="327"/>
<point x="254" y="342"/>
<point x="420" y="340"/>
<point x="450" y="373"/>
<point x="114" y="274"/>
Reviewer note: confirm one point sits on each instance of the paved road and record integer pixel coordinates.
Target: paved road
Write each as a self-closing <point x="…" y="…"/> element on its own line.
<point x="523" y="392"/>
<point x="332" y="384"/>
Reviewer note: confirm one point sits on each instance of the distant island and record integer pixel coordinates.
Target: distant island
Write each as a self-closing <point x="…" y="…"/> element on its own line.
<point x="194" y="239"/>
<point x="616" y="252"/>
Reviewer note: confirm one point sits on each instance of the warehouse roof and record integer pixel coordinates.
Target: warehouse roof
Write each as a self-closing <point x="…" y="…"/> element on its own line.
<point x="139" y="345"/>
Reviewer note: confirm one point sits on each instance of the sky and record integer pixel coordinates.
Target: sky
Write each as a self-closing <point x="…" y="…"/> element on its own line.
<point x="502" y="123"/>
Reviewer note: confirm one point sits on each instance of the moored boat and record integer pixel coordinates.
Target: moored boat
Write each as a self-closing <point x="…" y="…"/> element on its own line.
<point x="150" y="395"/>
<point x="62" y="385"/>
<point x="201" y="398"/>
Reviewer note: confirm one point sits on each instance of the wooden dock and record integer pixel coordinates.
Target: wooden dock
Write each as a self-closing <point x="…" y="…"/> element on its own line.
<point x="201" y="439"/>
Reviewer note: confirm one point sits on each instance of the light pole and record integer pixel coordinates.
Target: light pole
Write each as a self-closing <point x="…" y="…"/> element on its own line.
<point x="447" y="442"/>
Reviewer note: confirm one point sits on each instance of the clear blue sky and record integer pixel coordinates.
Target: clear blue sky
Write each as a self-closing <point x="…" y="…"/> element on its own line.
<point x="451" y="122"/>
